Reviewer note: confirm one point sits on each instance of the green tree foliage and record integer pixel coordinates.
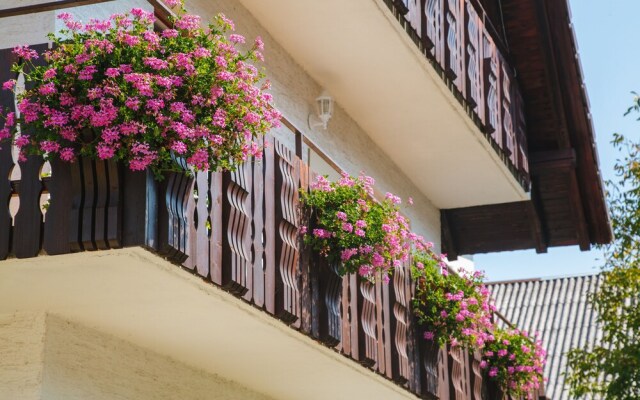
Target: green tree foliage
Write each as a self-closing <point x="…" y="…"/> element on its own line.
<point x="612" y="369"/>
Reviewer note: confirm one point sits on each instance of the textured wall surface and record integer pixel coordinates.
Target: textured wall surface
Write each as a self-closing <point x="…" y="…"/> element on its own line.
<point x="22" y="339"/>
<point x="81" y="363"/>
<point x="45" y="357"/>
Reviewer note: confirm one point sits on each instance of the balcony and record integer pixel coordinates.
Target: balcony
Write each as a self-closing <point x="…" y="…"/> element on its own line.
<point x="432" y="89"/>
<point x="237" y="232"/>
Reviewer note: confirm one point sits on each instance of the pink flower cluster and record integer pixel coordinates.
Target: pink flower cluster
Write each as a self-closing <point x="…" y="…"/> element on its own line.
<point x="516" y="361"/>
<point x="451" y="307"/>
<point x="115" y="89"/>
<point x="363" y="235"/>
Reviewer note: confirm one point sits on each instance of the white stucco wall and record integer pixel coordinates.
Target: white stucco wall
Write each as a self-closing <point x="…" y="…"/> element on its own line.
<point x="46" y="357"/>
<point x="82" y="363"/>
<point x="22" y="337"/>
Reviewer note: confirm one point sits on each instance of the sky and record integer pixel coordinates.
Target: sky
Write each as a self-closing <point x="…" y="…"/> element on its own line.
<point x="610" y="55"/>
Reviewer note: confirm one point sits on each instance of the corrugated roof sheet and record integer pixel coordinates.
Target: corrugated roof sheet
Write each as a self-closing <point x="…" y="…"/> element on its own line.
<point x="559" y="310"/>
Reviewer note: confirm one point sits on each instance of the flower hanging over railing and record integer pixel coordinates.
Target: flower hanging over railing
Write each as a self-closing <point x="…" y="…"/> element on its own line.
<point x="451" y="308"/>
<point x="515" y="361"/>
<point x="350" y="228"/>
<point x="116" y="89"/>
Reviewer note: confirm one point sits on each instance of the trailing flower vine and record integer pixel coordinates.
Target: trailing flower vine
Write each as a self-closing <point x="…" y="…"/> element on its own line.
<point x="515" y="361"/>
<point x="349" y="227"/>
<point x="115" y="89"/>
<point x="368" y="237"/>
<point x="451" y="308"/>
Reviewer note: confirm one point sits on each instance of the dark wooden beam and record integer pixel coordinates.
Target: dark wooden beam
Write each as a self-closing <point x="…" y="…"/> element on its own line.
<point x="551" y="69"/>
<point x="48" y="6"/>
<point x="551" y="161"/>
<point x="448" y="241"/>
<point x="537" y="229"/>
<point x="582" y="234"/>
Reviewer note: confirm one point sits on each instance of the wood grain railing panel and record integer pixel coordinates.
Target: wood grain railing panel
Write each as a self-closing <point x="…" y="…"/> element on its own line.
<point x="477" y="378"/>
<point x="236" y="221"/>
<point x="368" y="329"/>
<point x="28" y="219"/>
<point x="331" y="292"/>
<point x="56" y="225"/>
<point x="286" y="224"/>
<point x="399" y="299"/>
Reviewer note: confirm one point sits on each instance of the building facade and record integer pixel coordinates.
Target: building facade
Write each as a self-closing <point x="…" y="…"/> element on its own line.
<point x="475" y="108"/>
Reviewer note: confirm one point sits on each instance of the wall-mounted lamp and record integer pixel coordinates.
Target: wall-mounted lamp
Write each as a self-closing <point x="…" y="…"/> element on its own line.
<point x="324" y="110"/>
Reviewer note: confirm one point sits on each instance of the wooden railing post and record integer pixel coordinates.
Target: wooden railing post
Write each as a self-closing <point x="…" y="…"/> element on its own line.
<point x="177" y="190"/>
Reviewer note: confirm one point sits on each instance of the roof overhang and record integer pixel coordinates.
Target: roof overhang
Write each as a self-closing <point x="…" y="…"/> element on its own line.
<point x="363" y="56"/>
<point x="568" y="204"/>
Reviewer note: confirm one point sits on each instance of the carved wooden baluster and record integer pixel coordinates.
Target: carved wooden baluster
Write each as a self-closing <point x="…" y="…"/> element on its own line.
<point x="236" y="254"/>
<point x="507" y="122"/>
<point x="492" y="87"/>
<point x="521" y="136"/>
<point x="474" y="90"/>
<point x="28" y="220"/>
<point x="476" y="376"/>
<point x="56" y="225"/>
<point x="113" y="234"/>
<point x="457" y="373"/>
<point x="100" y="207"/>
<point x="444" y="376"/>
<point x="367" y="308"/>
<point x="331" y="286"/>
<point x="431" y="375"/>
<point x="199" y="206"/>
<point x="452" y="59"/>
<point x="399" y="300"/>
<point x="105" y="212"/>
<point x="178" y="193"/>
<point x="286" y="181"/>
<point x="434" y="39"/>
<point x="414" y="15"/>
<point x="7" y="58"/>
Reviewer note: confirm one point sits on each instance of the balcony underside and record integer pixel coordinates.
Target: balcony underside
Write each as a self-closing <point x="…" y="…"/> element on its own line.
<point x="388" y="87"/>
<point x="137" y="296"/>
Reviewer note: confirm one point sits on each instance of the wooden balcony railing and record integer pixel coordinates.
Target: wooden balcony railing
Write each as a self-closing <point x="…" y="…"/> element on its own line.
<point x="458" y="39"/>
<point x="239" y="231"/>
